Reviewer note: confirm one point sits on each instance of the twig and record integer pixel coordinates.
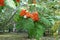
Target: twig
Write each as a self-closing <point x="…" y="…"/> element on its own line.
<point x="13" y="13"/>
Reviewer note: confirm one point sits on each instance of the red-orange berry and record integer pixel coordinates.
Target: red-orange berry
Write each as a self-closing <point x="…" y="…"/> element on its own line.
<point x="23" y="12"/>
<point x="28" y="14"/>
<point x="34" y="16"/>
<point x="18" y="1"/>
<point x="2" y="3"/>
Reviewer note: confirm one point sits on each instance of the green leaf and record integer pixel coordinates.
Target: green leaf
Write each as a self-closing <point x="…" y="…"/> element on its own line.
<point x="45" y="21"/>
<point x="28" y="24"/>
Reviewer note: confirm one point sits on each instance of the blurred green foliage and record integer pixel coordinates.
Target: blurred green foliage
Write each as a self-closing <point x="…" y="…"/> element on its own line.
<point x="48" y="11"/>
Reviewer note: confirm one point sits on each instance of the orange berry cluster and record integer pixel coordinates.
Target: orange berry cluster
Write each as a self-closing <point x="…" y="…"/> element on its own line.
<point x="33" y="15"/>
<point x="1" y="2"/>
<point x="18" y="1"/>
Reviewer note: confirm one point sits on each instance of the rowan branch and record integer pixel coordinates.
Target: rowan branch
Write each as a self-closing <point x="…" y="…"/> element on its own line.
<point x="13" y="13"/>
